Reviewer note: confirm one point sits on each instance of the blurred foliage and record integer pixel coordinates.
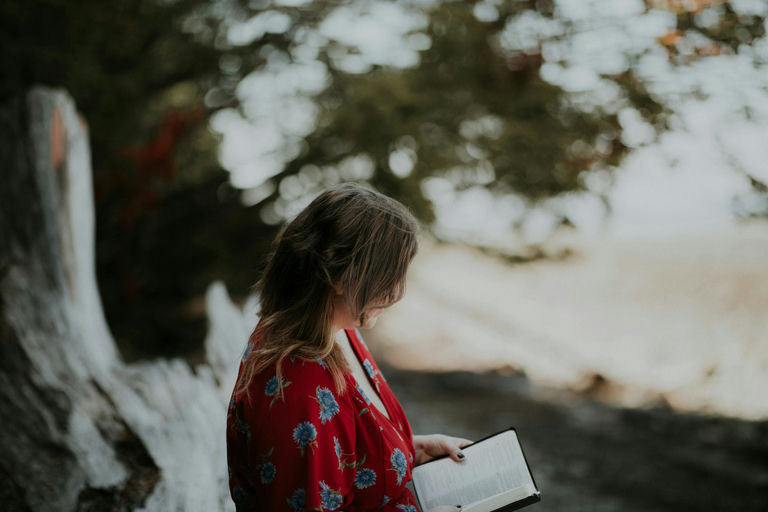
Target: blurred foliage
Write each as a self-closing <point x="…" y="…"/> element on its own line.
<point x="148" y="74"/>
<point x="469" y="112"/>
<point x="168" y="222"/>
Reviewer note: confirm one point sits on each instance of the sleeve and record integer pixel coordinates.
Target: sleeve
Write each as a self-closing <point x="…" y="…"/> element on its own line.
<point x="304" y="457"/>
<point x="238" y="434"/>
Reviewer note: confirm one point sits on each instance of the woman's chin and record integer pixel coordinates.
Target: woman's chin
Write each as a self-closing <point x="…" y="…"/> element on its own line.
<point x="370" y="322"/>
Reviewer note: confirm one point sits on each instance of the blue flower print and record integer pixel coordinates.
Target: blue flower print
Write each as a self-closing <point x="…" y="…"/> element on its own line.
<point x="328" y="406"/>
<point x="365" y="478"/>
<point x="270" y="389"/>
<point x="407" y="508"/>
<point x="362" y="393"/>
<point x="297" y="499"/>
<point x="268" y="471"/>
<point x="242" y="427"/>
<point x="321" y="362"/>
<point x="238" y="494"/>
<point x="329" y="498"/>
<point x="231" y="411"/>
<point x="305" y="435"/>
<point x="345" y="460"/>
<point x="247" y="352"/>
<point x="384" y="501"/>
<point x="337" y="449"/>
<point x="369" y="368"/>
<point x="399" y="464"/>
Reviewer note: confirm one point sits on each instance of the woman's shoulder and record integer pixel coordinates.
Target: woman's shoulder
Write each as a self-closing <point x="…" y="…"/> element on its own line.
<point x="300" y="378"/>
<point x="293" y="366"/>
<point x="305" y="371"/>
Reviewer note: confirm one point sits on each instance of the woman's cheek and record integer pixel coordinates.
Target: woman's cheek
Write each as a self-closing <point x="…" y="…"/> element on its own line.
<point x="371" y="317"/>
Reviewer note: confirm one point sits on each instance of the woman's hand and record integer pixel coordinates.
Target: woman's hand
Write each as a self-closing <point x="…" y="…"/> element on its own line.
<point x="427" y="447"/>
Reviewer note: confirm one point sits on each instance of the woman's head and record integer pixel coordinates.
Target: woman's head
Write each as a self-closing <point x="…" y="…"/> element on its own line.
<point x="336" y="265"/>
<point x="350" y="241"/>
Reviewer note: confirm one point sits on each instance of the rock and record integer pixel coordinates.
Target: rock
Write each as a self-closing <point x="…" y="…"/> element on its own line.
<point x="81" y="429"/>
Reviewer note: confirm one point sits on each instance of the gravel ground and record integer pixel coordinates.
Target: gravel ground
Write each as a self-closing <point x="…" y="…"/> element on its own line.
<point x="586" y="455"/>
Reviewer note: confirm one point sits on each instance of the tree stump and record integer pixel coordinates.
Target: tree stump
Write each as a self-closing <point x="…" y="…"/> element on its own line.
<point x="80" y="429"/>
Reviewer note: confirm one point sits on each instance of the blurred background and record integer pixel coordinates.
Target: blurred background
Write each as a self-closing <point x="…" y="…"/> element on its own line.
<point x="591" y="177"/>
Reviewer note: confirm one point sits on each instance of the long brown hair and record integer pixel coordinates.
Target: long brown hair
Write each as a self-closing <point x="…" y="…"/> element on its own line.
<point x="348" y="238"/>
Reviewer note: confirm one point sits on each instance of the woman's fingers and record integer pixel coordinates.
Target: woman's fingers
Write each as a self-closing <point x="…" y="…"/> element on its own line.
<point x="457" y="455"/>
<point x="454" y="448"/>
<point x="436" y="445"/>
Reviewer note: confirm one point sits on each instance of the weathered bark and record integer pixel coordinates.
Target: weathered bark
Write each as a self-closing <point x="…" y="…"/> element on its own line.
<point x="80" y="429"/>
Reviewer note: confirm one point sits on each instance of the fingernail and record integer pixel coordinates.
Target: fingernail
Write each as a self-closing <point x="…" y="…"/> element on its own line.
<point x="460" y="455"/>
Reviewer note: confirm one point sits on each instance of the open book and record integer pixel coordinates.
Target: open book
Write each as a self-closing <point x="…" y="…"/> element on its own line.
<point x="494" y="476"/>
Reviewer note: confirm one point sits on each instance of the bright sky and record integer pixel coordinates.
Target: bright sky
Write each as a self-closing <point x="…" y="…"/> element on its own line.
<point x="690" y="180"/>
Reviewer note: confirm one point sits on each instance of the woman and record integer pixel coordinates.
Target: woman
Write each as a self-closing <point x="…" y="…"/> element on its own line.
<point x="312" y="423"/>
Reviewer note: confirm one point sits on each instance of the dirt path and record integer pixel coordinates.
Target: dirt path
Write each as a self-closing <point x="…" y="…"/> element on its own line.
<point x="593" y="457"/>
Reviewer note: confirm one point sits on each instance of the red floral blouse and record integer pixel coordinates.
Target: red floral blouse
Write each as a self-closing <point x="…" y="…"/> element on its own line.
<point x="317" y="449"/>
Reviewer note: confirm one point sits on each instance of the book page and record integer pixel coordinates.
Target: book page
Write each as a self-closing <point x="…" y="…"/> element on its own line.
<point x="500" y="500"/>
<point x="492" y="467"/>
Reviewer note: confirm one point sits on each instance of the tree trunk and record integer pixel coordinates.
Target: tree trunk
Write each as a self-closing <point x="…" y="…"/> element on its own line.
<point x="80" y="429"/>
